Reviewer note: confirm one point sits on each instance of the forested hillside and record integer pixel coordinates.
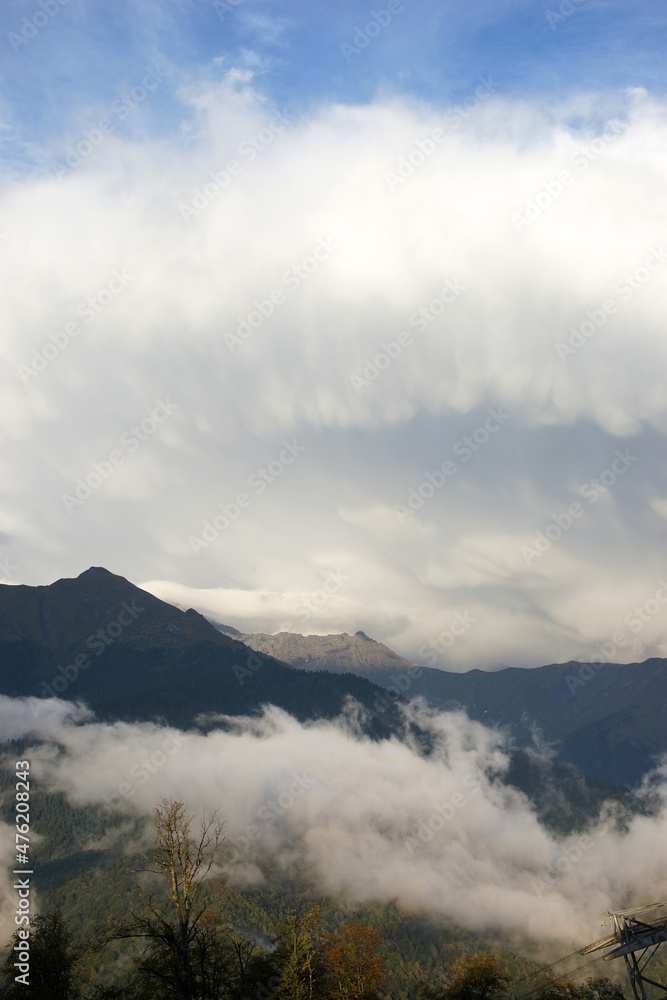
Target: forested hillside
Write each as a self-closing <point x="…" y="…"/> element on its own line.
<point x="86" y="862"/>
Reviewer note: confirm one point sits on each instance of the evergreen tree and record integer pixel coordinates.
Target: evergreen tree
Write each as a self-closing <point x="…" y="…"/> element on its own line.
<point x="52" y="959"/>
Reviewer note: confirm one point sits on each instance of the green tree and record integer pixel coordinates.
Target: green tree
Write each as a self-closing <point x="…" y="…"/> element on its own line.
<point x="52" y="961"/>
<point x="298" y="954"/>
<point x="477" y="977"/>
<point x="593" y="989"/>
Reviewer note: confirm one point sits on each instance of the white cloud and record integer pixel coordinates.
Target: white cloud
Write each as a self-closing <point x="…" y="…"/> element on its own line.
<point x="376" y="821"/>
<point x="321" y="182"/>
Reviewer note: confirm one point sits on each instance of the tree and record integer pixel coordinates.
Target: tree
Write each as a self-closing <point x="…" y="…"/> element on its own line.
<point x="342" y="965"/>
<point x="478" y="977"/>
<point x="298" y="954"/>
<point x="603" y="988"/>
<point x="353" y="967"/>
<point x="593" y="989"/>
<point x="52" y="960"/>
<point x="180" y="933"/>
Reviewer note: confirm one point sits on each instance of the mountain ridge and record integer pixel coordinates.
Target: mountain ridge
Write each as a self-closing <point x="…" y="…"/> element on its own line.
<point x="128" y="655"/>
<point x="336" y="652"/>
<point x="607" y="719"/>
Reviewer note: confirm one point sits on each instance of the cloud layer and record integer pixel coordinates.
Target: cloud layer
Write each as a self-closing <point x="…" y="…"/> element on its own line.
<point x="393" y="341"/>
<point x="375" y="821"/>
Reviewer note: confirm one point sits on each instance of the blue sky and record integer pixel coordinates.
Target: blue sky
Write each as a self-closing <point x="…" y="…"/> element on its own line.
<point x="171" y="245"/>
<point x="88" y="53"/>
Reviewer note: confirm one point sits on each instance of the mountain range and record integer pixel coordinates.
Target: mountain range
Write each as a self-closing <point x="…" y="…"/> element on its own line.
<point x="128" y="655"/>
<point x="101" y="640"/>
<point x="609" y="720"/>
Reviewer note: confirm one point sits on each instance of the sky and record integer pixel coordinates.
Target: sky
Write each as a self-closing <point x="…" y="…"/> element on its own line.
<point x="357" y="308"/>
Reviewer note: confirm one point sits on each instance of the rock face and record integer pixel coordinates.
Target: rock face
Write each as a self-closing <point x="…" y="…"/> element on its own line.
<point x="338" y="654"/>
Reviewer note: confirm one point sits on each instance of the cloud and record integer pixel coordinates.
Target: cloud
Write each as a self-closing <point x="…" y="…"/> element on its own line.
<point x="375" y="821"/>
<point x="251" y="267"/>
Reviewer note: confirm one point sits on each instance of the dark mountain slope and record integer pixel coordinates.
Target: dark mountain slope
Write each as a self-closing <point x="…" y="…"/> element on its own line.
<point x="128" y="655"/>
<point x="608" y="719"/>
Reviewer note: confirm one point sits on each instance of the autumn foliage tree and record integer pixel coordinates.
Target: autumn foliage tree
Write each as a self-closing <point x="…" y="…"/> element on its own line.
<point x="313" y="965"/>
<point x="352" y="963"/>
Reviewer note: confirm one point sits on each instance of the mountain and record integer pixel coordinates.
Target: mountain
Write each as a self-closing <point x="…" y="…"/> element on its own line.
<point x="339" y="654"/>
<point x="131" y="656"/>
<point x="608" y="719"/>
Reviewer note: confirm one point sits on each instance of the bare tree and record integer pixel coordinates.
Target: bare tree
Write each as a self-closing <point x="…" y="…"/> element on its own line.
<point x="183" y="858"/>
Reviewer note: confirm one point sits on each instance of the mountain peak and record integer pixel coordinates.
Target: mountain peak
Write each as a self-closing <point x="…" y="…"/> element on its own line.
<point x="342" y="653"/>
